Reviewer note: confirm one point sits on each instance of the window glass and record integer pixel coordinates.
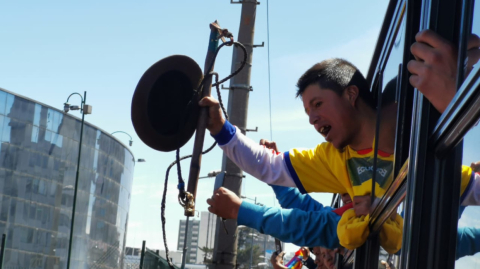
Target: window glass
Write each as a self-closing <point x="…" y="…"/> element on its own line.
<point x="468" y="233"/>
<point x="468" y="224"/>
<point x="37" y="115"/>
<point x="41" y="146"/>
<point x="9" y="104"/>
<point x="3" y="100"/>
<point x="387" y="113"/>
<point x="57" y="121"/>
<point x="1" y="125"/>
<point x="474" y="54"/>
<point x="50" y="116"/>
<point x="386" y="84"/>
<point x="35" y="132"/>
<point x="6" y="129"/>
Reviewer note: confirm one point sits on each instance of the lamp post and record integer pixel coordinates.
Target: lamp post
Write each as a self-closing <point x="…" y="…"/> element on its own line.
<point x="84" y="109"/>
<point x="130" y="143"/>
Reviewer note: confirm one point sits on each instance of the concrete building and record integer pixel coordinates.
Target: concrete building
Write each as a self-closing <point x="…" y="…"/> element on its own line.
<point x="266" y="244"/>
<point x="38" y="163"/>
<point x="192" y="239"/>
<point x="208" y="222"/>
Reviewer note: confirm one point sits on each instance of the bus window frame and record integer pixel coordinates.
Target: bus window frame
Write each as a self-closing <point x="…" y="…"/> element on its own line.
<point x="430" y="184"/>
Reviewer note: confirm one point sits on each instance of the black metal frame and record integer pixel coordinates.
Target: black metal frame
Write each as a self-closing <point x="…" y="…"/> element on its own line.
<point x="427" y="171"/>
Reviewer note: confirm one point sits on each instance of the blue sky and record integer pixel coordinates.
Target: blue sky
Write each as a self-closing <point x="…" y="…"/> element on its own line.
<point x="53" y="48"/>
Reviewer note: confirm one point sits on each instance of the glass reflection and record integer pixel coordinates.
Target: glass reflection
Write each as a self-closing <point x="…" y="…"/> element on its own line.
<point x="38" y="158"/>
<point x="473" y="50"/>
<point x="390" y="260"/>
<point x="387" y="109"/>
<point x="391" y="232"/>
<point x="468" y="234"/>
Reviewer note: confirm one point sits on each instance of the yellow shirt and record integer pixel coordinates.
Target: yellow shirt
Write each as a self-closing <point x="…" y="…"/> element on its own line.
<point x="327" y="169"/>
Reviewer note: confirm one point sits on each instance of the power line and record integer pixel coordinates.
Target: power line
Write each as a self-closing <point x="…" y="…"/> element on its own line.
<point x="269" y="92"/>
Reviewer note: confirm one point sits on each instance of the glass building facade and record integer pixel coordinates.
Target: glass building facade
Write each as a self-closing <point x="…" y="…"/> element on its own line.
<point x="38" y="162"/>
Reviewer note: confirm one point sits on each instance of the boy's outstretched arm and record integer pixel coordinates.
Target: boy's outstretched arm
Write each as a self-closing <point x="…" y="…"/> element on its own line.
<point x="313" y="228"/>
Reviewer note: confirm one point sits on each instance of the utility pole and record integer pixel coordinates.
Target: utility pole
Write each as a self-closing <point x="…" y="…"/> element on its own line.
<point x="225" y="248"/>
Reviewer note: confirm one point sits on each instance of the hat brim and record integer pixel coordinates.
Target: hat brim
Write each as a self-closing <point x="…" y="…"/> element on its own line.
<point x="165" y="103"/>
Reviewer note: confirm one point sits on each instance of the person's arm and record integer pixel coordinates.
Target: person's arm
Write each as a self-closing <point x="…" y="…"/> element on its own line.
<point x="434" y="69"/>
<point x="249" y="156"/>
<point x="468" y="241"/>
<point x="292" y="198"/>
<point x="314" y="228"/>
<point x="258" y="161"/>
<point x="307" y="170"/>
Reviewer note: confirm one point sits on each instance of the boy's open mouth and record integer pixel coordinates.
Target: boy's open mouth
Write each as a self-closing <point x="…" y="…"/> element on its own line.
<point x="324" y="130"/>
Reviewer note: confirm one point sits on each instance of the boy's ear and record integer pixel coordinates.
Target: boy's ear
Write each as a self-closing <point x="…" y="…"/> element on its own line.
<point x="351" y="93"/>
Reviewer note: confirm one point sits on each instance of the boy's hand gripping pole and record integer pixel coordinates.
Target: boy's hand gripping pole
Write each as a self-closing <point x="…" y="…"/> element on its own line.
<point x="215" y="34"/>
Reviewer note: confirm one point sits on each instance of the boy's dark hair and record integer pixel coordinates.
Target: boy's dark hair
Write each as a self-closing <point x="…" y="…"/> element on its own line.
<point x="336" y="74"/>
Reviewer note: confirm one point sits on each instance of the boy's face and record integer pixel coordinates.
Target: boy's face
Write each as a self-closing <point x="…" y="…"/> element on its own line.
<point x="332" y="115"/>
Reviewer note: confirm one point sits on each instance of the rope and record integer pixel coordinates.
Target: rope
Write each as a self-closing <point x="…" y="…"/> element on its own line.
<point x="181" y="185"/>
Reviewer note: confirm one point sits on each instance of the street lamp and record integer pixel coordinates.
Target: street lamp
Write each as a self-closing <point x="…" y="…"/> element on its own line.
<point x="84" y="109"/>
<point x="130" y="143"/>
<point x="141" y="160"/>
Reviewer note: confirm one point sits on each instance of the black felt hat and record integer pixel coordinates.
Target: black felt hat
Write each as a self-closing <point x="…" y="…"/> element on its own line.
<point x="165" y="103"/>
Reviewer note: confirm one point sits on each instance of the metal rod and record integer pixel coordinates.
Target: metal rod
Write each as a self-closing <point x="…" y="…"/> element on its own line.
<point x="202" y="121"/>
<point x="208" y="234"/>
<point x="184" y="256"/>
<point x="265" y="248"/>
<point x="142" y="254"/>
<point x="76" y="184"/>
<point x="251" y="250"/>
<point x="2" y="252"/>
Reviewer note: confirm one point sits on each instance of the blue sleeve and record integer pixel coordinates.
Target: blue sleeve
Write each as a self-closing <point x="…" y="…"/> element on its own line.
<point x="302" y="228"/>
<point x="468" y="241"/>
<point x="226" y="134"/>
<point x="292" y="198"/>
